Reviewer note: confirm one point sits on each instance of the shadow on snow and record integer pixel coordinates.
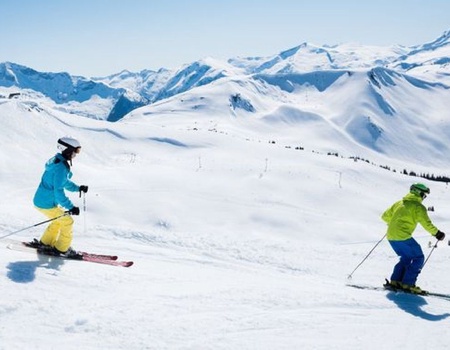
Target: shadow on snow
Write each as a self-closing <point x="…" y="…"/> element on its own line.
<point x="413" y="305"/>
<point x="25" y="271"/>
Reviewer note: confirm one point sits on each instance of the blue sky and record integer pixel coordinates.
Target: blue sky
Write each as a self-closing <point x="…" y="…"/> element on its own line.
<point x="102" y="37"/>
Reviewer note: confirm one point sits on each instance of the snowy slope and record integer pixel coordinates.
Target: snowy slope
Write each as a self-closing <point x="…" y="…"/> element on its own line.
<point x="238" y="242"/>
<point x="379" y="114"/>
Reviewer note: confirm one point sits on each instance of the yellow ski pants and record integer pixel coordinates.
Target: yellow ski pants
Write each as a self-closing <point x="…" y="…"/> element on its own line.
<point x="59" y="233"/>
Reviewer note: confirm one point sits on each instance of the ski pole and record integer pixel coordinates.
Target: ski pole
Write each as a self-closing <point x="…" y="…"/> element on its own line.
<point x="376" y="245"/>
<point x="435" y="246"/>
<point x="40" y="223"/>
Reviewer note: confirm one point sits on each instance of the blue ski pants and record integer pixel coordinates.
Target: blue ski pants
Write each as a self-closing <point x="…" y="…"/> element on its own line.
<point x="411" y="261"/>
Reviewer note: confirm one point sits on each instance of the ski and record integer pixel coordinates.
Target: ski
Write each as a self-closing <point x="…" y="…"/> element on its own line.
<point x="100" y="256"/>
<point x="89" y="257"/>
<point x="96" y="259"/>
<point x="84" y="254"/>
<point x="397" y="290"/>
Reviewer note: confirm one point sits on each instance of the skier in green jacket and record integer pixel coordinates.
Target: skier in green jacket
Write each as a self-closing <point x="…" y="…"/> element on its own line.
<point x="402" y="219"/>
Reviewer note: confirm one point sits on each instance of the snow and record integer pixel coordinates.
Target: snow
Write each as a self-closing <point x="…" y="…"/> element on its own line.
<point x="238" y="242"/>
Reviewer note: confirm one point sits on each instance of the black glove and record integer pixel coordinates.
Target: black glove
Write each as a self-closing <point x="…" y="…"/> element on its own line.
<point x="440" y="235"/>
<point x="74" y="211"/>
<point x="83" y="188"/>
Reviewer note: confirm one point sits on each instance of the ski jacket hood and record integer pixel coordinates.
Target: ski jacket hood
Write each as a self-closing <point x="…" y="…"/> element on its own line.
<point x="403" y="216"/>
<point x="56" y="178"/>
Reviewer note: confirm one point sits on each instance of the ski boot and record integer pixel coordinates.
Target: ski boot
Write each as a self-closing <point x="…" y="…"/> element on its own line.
<point x="72" y="254"/>
<point x="413" y="289"/>
<point x="393" y="285"/>
<point x="34" y="243"/>
<point x="52" y="251"/>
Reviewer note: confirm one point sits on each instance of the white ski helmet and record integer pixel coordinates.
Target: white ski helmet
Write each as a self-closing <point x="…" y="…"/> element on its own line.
<point x="69" y="144"/>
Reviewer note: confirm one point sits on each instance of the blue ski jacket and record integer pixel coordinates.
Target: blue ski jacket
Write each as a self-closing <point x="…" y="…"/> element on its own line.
<point x="56" y="178"/>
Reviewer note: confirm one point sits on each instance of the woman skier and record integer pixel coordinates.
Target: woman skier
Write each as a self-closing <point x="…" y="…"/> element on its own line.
<point x="50" y="199"/>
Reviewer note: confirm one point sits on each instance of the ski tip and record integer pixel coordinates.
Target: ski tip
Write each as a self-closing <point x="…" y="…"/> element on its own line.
<point x="128" y="263"/>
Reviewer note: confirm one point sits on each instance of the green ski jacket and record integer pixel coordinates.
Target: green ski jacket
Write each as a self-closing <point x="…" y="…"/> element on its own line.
<point x="403" y="216"/>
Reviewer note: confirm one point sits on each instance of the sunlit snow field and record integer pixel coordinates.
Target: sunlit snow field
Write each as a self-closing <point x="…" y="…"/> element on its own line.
<point x="239" y="240"/>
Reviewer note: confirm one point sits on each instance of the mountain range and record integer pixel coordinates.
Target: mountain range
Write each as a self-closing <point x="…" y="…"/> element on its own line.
<point x="385" y="89"/>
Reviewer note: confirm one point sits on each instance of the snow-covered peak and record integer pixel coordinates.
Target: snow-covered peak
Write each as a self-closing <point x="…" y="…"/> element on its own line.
<point x="428" y="61"/>
<point x="60" y="87"/>
<point x="443" y="40"/>
<point x="198" y="73"/>
<point x="309" y="57"/>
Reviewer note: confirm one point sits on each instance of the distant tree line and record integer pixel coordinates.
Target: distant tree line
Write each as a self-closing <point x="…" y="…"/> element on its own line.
<point x="428" y="176"/>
